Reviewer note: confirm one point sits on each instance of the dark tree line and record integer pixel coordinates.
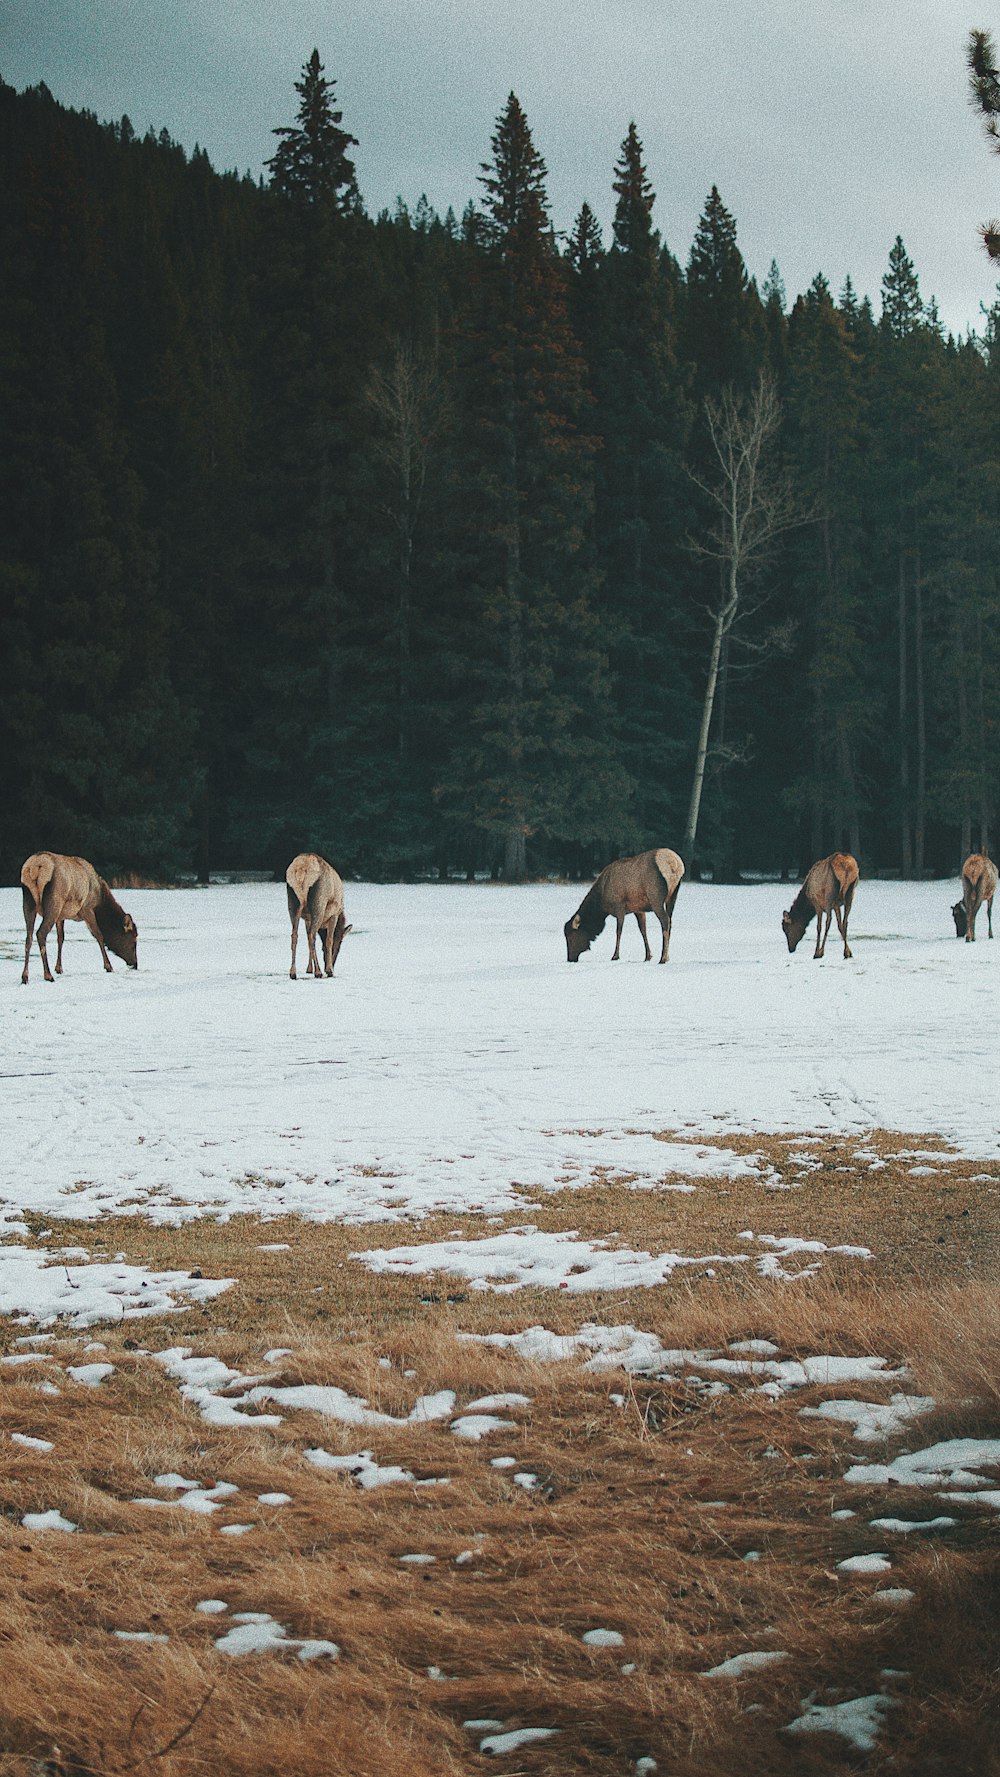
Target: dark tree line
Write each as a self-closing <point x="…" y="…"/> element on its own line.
<point x="397" y="538"/>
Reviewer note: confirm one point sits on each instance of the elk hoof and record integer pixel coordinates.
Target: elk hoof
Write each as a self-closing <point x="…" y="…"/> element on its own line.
<point x="292" y="975"/>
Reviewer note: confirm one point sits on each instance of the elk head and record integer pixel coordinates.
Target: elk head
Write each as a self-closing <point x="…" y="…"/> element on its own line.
<point x="958" y="915"/>
<point x="124" y="943"/>
<point x="577" y="940"/>
<point x="792" y="928"/>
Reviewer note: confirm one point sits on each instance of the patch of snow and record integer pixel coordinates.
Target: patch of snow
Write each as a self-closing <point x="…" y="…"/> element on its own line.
<point x="418" y="1560"/>
<point x="363" y="1468"/>
<point x="235" y="1529"/>
<point x="857" y="1721"/>
<point x="479" y="1425"/>
<point x="192" y="1498"/>
<point x="138" y="1635"/>
<point x="874" y="1563"/>
<point x="740" y="1664"/>
<point x="893" y="1595"/>
<point x="91" y="1375"/>
<point x="525" y="1257"/>
<point x="36" y="1282"/>
<point x="603" y="1638"/>
<point x="212" y="1607"/>
<point x="47" y="1521"/>
<point x="953" y="1463"/>
<point x="491" y="1403"/>
<point x="20" y="1437"/>
<point x="874" y="1422"/>
<point x="274" y="1499"/>
<point x="258" y="1633"/>
<point x="518" y="1737"/>
<point x="903" y="1525"/>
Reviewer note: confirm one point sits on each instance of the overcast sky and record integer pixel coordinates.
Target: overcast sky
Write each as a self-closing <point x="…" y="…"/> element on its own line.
<point x="829" y="126"/>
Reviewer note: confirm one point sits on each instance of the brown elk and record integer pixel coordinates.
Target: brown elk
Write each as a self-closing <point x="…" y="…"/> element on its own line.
<point x="646" y="883"/>
<point x="979" y="884"/>
<point x="828" y="888"/>
<point x="316" y="891"/>
<point x="55" y="888"/>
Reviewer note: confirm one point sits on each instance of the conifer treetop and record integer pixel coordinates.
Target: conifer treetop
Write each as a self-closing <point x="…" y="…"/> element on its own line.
<point x="902" y="308"/>
<point x="585" y="246"/>
<point x="715" y="257"/>
<point x="310" y="163"/>
<point x="633" y="227"/>
<point x="514" y="180"/>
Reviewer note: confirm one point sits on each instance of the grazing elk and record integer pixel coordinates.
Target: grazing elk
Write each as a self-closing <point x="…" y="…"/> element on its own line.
<point x="828" y="888"/>
<point x="979" y="884"/>
<point x="55" y="888"/>
<point x="647" y="883"/>
<point x="316" y="891"/>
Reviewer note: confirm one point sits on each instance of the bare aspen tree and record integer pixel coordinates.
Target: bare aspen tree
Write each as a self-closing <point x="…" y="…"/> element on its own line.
<point x="753" y="504"/>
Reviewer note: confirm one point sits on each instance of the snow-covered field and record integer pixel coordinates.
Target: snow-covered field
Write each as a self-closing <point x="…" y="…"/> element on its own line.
<point x="456" y="1053"/>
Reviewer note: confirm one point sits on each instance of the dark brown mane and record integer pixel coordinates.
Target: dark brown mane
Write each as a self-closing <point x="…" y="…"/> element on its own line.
<point x="801" y="910"/>
<point x="591" y="914"/>
<point x="109" y="915"/>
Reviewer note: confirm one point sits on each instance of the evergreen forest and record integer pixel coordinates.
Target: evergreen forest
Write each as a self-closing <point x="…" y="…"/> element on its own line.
<point x="407" y="538"/>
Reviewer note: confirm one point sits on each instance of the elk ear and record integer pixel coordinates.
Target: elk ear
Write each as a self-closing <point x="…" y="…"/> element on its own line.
<point x="575" y="922"/>
<point x="129" y="923"/>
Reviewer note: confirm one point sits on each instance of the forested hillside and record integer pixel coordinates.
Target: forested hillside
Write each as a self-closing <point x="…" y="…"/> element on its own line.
<point x="394" y="537"/>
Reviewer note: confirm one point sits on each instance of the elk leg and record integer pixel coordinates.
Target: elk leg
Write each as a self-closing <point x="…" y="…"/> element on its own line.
<point x="60" y="932"/>
<point x="842" y="926"/>
<point x="970" y="922"/>
<point x="43" y="932"/>
<point x="29" y="920"/>
<point x="95" y="932"/>
<point x="821" y="942"/>
<point x="989" y="915"/>
<point x="666" y="919"/>
<point x="327" y="936"/>
<point x="640" y="920"/>
<point x="619" y="921"/>
<point x="314" y="968"/>
<point x="296" y="916"/>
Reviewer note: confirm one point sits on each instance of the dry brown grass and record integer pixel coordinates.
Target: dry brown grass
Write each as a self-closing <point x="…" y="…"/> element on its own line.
<point x="624" y="1530"/>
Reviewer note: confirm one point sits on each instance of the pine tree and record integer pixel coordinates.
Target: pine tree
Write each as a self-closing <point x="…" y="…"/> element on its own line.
<point x="826" y="450"/>
<point x="902" y="308"/>
<point x="310" y="164"/>
<point x="538" y="758"/>
<point x="984" y="84"/>
<point x="299" y="784"/>
<point x="633" y="224"/>
<point x="723" y="324"/>
<point x="903" y="341"/>
<point x="642" y="415"/>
